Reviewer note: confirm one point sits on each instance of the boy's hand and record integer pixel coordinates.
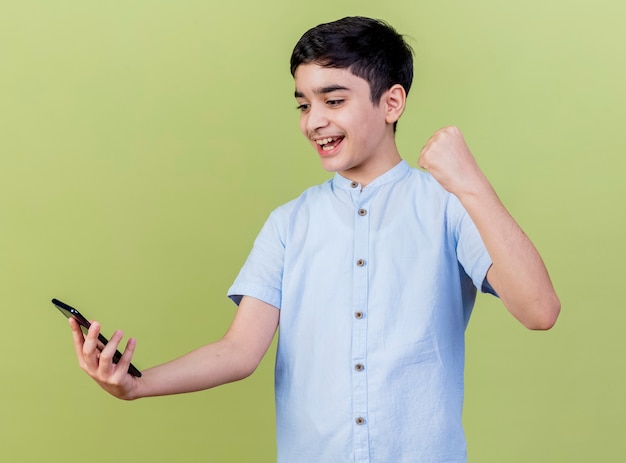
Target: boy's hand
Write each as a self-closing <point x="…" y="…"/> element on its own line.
<point x="97" y="361"/>
<point x="448" y="159"/>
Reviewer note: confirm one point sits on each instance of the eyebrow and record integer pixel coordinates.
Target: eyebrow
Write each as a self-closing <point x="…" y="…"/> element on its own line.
<point x="322" y="90"/>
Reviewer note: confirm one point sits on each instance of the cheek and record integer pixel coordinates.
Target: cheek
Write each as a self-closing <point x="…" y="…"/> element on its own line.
<point x="303" y="125"/>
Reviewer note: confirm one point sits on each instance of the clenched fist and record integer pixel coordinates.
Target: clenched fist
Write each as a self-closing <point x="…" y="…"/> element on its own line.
<point x="448" y="159"/>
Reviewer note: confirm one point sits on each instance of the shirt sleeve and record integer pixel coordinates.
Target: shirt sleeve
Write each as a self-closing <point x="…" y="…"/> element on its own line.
<point x="262" y="274"/>
<point x="471" y="251"/>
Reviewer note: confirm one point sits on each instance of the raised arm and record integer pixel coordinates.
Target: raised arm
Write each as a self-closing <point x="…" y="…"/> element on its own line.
<point x="232" y="358"/>
<point x="518" y="273"/>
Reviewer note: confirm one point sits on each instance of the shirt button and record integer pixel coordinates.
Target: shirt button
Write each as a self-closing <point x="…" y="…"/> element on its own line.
<point x="359" y="367"/>
<point x="362" y="212"/>
<point x="359" y="315"/>
<point x="360" y="421"/>
<point x="354" y="184"/>
<point x="360" y="262"/>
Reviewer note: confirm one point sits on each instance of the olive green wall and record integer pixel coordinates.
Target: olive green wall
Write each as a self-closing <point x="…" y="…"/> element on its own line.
<point x="143" y="144"/>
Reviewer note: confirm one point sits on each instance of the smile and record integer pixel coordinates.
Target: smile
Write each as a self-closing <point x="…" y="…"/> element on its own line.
<point x="327" y="144"/>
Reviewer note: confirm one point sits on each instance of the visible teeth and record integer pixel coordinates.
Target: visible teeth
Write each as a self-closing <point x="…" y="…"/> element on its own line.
<point x="324" y="141"/>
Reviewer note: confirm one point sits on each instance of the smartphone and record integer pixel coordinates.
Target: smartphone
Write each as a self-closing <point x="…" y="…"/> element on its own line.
<point x="70" y="311"/>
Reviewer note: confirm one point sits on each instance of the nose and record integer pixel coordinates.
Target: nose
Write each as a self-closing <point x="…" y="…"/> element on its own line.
<point x="314" y="119"/>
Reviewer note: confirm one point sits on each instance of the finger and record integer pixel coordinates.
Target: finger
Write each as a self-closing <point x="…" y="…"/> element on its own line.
<point x="127" y="356"/>
<point x="421" y="161"/>
<point x="426" y="147"/>
<point x="106" y="364"/>
<point x="78" y="338"/>
<point x="90" y="351"/>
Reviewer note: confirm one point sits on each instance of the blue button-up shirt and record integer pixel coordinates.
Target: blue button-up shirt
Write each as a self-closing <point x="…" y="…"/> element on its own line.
<point x="375" y="287"/>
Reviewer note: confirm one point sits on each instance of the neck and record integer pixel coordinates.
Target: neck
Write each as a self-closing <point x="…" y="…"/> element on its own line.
<point x="365" y="175"/>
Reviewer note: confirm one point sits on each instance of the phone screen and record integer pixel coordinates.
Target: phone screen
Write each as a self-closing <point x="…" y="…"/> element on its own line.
<point x="70" y="311"/>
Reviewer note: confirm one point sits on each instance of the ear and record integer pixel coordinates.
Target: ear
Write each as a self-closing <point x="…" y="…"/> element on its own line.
<point x="394" y="100"/>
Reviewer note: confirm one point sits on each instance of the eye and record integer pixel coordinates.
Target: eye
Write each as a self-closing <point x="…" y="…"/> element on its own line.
<point x="334" y="103"/>
<point x="303" y="107"/>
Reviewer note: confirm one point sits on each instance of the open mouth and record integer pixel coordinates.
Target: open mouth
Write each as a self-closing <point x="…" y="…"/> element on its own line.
<point x="328" y="144"/>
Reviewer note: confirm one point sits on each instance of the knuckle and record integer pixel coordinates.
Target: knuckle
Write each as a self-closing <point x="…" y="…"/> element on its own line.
<point x="106" y="356"/>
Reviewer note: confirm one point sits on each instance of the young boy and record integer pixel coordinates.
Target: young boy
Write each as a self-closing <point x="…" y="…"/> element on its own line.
<point x="372" y="275"/>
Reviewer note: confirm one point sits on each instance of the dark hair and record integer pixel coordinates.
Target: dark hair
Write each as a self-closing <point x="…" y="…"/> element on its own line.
<point x="369" y="48"/>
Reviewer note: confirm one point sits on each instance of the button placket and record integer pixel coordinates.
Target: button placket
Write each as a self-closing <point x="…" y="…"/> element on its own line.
<point x="359" y="324"/>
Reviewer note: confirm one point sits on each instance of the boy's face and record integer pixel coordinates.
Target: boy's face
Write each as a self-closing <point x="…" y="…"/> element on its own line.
<point x="351" y="135"/>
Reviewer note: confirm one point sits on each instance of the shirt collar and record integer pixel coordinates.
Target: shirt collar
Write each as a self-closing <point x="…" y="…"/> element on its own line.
<point x="396" y="172"/>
